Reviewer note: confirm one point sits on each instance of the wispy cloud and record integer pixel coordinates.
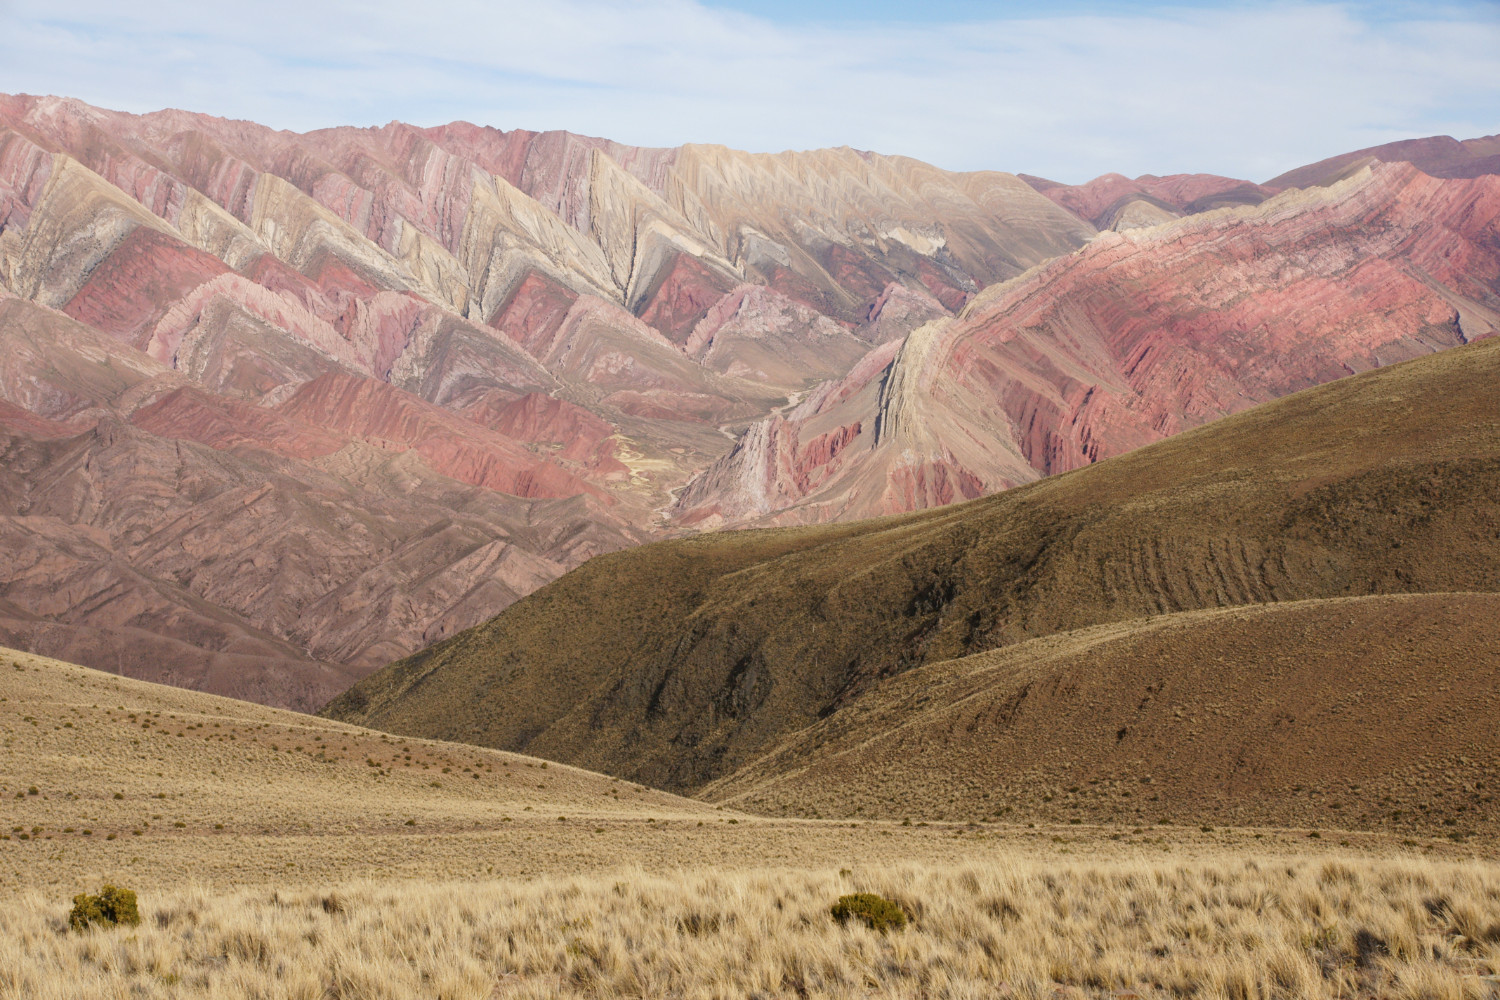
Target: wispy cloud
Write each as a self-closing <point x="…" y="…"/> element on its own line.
<point x="1247" y="91"/>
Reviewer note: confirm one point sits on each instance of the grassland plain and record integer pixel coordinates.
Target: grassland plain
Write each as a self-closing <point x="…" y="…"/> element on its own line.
<point x="284" y="856"/>
<point x="104" y="777"/>
<point x="681" y="662"/>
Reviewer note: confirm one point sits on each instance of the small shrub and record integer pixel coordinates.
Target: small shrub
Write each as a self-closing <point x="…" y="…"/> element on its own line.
<point x="878" y="913"/>
<point x="112" y="906"/>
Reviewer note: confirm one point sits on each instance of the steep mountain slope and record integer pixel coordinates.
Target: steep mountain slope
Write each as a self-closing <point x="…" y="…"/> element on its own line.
<point x="462" y="215"/>
<point x="1362" y="712"/>
<point x="272" y="552"/>
<point x="681" y="662"/>
<point x="1136" y="337"/>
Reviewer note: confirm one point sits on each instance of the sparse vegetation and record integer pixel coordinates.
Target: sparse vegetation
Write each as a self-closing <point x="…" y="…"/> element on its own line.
<point x="296" y="828"/>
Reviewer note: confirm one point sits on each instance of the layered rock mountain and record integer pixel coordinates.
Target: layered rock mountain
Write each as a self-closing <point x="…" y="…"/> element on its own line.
<point x="278" y="408"/>
<point x="1437" y="155"/>
<point x="1114" y="201"/>
<point x="1138" y="336"/>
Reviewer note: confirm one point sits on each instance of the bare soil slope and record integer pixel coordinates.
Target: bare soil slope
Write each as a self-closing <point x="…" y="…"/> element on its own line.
<point x="680" y="662"/>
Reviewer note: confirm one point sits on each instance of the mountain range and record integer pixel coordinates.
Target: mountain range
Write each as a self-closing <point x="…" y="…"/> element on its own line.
<point x="277" y="409"/>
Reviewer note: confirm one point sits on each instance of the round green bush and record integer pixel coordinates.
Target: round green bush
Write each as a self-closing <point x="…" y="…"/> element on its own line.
<point x="112" y="906"/>
<point x="877" y="912"/>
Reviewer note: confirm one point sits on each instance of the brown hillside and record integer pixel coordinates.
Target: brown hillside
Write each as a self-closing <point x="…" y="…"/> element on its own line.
<point x="110" y="779"/>
<point x="680" y="662"/>
<point x="1366" y="712"/>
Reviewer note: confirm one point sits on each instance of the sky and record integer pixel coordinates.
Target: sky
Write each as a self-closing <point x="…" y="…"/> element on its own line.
<point x="1068" y="89"/>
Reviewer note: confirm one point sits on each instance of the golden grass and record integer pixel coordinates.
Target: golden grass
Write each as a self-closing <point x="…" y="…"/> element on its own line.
<point x="1226" y="929"/>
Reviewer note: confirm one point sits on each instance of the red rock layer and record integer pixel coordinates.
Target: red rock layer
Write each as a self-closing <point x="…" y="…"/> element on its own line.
<point x="227" y="425"/>
<point x="683" y="295"/>
<point x="1137" y="337"/>
<point x="537" y="418"/>
<point x="534" y="312"/>
<point x="132" y="288"/>
<point x="384" y="416"/>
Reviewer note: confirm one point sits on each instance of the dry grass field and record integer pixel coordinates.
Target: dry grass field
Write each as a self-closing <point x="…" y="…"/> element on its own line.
<point x="96" y="784"/>
<point x="1226" y="929"/>
<point x="283" y="856"/>
<point x="104" y="777"/>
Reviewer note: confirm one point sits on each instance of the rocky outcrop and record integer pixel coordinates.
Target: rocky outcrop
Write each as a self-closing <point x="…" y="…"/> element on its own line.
<point x="683" y="662"/>
<point x="381" y="415"/>
<point x="760" y="334"/>
<point x="556" y="329"/>
<point x="240" y="547"/>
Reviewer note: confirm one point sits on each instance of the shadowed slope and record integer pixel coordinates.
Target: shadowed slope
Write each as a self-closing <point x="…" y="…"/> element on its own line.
<point x="682" y="661"/>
